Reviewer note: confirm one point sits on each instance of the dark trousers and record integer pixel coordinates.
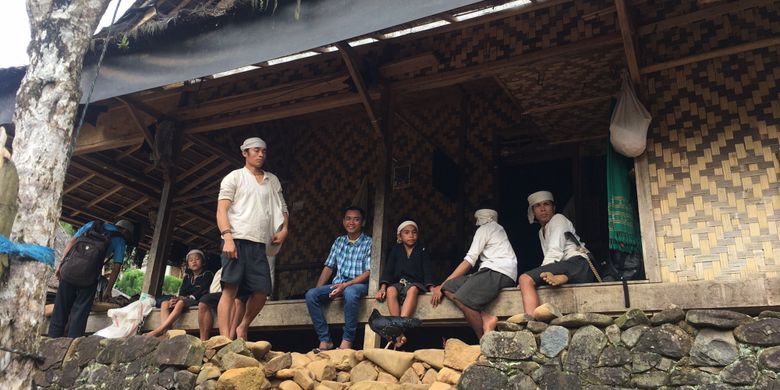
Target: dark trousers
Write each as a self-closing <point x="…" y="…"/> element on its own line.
<point x="71" y="307"/>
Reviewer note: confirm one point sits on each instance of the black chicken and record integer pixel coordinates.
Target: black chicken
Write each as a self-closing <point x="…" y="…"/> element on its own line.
<point x="390" y="327"/>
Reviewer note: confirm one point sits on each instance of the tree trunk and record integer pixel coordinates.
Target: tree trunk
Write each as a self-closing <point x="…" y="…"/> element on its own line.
<point x="46" y="106"/>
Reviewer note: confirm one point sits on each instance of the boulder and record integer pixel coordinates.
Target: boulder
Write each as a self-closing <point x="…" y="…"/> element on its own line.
<point x="335" y="385"/>
<point x="508" y="345"/>
<point x="550" y="376"/>
<point x="769" y="358"/>
<point x="670" y="315"/>
<point x="208" y="371"/>
<point x="419" y="369"/>
<point x="683" y="375"/>
<point x="584" y="349"/>
<point x="769" y="314"/>
<point x="217" y="342"/>
<point x="613" y="335"/>
<point x="764" y="332"/>
<point x="715" y="348"/>
<point x="631" y="318"/>
<point x="171" y="333"/>
<point x="448" y="375"/>
<point x="135" y="347"/>
<point x="289" y="385"/>
<point x="613" y="356"/>
<point x="410" y="377"/>
<point x="721" y="319"/>
<point x="386" y="378"/>
<point x="342" y="359"/>
<point x="53" y="351"/>
<point x="303" y="379"/>
<point x="87" y="349"/>
<point x="630" y="336"/>
<point x="342" y="377"/>
<point x="434" y="357"/>
<point x="440" y="386"/>
<point x="363" y="371"/>
<point x="299" y="360"/>
<point x="650" y="380"/>
<point x="521" y="381"/>
<point x="233" y="360"/>
<point x="742" y="372"/>
<point x="611" y="376"/>
<point x="644" y="361"/>
<point x="536" y="326"/>
<point x="430" y="376"/>
<point x="667" y="340"/>
<point x="546" y="312"/>
<point x="259" y="349"/>
<point x="478" y="376"/>
<point x="182" y="351"/>
<point x="553" y="340"/>
<point x="506" y="326"/>
<point x="243" y="378"/>
<point x="237" y="346"/>
<point x="577" y="320"/>
<point x="519" y="319"/>
<point x="459" y="355"/>
<point x="184" y="380"/>
<point x="323" y="370"/>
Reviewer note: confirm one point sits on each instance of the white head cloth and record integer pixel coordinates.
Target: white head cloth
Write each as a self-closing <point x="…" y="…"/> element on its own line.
<point x="254" y="142"/>
<point x="405" y="224"/>
<point x="484" y="216"/>
<point x="195" y="252"/>
<point x="537" y="197"/>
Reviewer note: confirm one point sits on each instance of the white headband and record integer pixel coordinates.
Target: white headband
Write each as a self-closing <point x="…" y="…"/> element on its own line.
<point x="484" y="216"/>
<point x="195" y="252"/>
<point x="537" y="197"/>
<point x="404" y="224"/>
<point x="254" y="142"/>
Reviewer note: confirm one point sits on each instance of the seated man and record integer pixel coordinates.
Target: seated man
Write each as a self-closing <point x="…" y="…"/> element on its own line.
<point x="473" y="293"/>
<point x="211" y="300"/>
<point x="350" y="258"/>
<point x="563" y="262"/>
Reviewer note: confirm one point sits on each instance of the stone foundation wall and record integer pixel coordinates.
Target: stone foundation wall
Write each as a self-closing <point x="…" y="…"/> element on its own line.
<point x="700" y="349"/>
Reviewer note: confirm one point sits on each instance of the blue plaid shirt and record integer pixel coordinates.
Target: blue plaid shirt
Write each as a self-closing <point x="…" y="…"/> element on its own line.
<point x="349" y="259"/>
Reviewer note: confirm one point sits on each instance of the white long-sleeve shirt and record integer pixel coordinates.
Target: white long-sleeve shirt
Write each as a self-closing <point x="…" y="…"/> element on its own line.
<point x="492" y="246"/>
<point x="555" y="246"/>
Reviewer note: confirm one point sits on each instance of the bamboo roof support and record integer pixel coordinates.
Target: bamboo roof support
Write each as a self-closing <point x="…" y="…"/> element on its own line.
<point x="561" y="106"/>
<point x="629" y="40"/>
<point x="755" y="45"/>
<point x="349" y="57"/>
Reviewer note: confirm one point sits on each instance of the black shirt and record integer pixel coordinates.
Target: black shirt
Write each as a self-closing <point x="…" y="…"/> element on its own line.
<point x="197" y="286"/>
<point x="415" y="268"/>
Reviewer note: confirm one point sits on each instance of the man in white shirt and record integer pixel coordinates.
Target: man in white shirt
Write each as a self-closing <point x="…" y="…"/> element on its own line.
<point x="252" y="219"/>
<point x="563" y="261"/>
<point x="473" y="293"/>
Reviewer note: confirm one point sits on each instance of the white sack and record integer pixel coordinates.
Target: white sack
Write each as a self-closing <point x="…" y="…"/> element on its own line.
<point x="629" y="123"/>
<point x="126" y="320"/>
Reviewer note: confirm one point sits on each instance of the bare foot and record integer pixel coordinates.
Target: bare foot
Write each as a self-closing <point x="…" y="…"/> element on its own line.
<point x="554" y="280"/>
<point x="400" y="341"/>
<point x="345" y="344"/>
<point x="489" y="322"/>
<point x="153" y="333"/>
<point x="242" y="331"/>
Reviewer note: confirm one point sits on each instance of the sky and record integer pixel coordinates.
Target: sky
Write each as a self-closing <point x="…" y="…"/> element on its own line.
<point x="15" y="29"/>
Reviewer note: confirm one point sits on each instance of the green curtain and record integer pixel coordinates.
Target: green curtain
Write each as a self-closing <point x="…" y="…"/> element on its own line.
<point x="623" y="220"/>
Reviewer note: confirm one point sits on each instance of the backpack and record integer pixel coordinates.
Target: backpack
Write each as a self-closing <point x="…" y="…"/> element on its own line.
<point x="83" y="263"/>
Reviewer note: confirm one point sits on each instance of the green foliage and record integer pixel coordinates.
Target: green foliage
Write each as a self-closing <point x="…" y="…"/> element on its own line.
<point x="171" y="285"/>
<point x="123" y="43"/>
<point x="131" y="281"/>
<point x="68" y="228"/>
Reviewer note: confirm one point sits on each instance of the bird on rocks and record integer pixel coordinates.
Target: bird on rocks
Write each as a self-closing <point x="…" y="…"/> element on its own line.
<point x="391" y="327"/>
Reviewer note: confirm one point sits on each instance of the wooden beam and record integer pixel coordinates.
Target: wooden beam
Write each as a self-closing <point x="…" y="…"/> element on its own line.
<point x="197" y="167"/>
<point x="704" y="13"/>
<point x="128" y="151"/>
<point x="210" y="174"/>
<point x="214" y="148"/>
<point x="145" y="108"/>
<point x="750" y="46"/>
<point x="629" y="44"/>
<point x="97" y="165"/>
<point x="163" y="227"/>
<point x="561" y="106"/>
<point x="137" y="121"/>
<point x="349" y="57"/>
<point x="644" y="202"/>
<point x="409" y="64"/>
<point x="78" y="183"/>
<point x="208" y="191"/>
<point x="132" y="206"/>
<point x="99" y="199"/>
<point x="508" y="92"/>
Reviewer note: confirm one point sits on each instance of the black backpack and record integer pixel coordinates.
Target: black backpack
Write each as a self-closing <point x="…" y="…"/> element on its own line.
<point x="83" y="263"/>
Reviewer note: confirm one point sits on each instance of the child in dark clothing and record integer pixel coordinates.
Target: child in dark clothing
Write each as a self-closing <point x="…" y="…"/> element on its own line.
<point x="195" y="285"/>
<point x="408" y="272"/>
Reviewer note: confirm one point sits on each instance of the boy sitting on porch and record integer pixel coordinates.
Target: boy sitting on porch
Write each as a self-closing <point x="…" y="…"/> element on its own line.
<point x="473" y="293"/>
<point x="563" y="262"/>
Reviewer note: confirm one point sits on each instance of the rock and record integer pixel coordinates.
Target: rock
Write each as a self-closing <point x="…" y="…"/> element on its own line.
<point x="506" y="326"/>
<point x="410" y="377"/>
<point x="359" y="356"/>
<point x="508" y="345"/>
<point x="135" y="347"/>
<point x="769" y="314"/>
<point x="171" y="333"/>
<point x="182" y="351"/>
<point x="208" y="371"/>
<point x="217" y="342"/>
<point x="688" y="328"/>
<point x="613" y="356"/>
<point x="299" y="360"/>
<point x="70" y="371"/>
<point x="302" y="378"/>
<point x="769" y="358"/>
<point x="323" y="370"/>
<point x="667" y="340"/>
<point x="285" y="373"/>
<point x="448" y="375"/>
<point x="440" y="386"/>
<point x="87" y="349"/>
<point x="585" y="348"/>
<point x="669" y="315"/>
<point x="430" y="376"/>
<point x="277" y="363"/>
<point x="711" y="370"/>
<point x="233" y="360"/>
<point x="553" y="340"/>
<point x="722" y="319"/>
<point x="613" y="335"/>
<point x="546" y="312"/>
<point x="53" y="350"/>
<point x="386" y="378"/>
<point x="419" y="369"/>
<point x="93" y="373"/>
<point x="577" y="320"/>
<point x="689" y="376"/>
<point x="335" y="385"/>
<point x="434" y="357"/>
<point x="272" y="354"/>
<point x="521" y="381"/>
<point x="536" y="326"/>
<point x="342" y="376"/>
<point x="631" y="318"/>
<point x="520" y="319"/>
<point x="259" y="349"/>
<point x="394" y="362"/>
<point x="165" y="377"/>
<point x="714" y="348"/>
<point x="550" y="376"/>
<point x="289" y="385"/>
<point x="363" y="371"/>
<point x="613" y="376"/>
<point x="644" y="361"/>
<point x="342" y="359"/>
<point x="236" y="346"/>
<point x="477" y="376"/>
<point x="243" y="378"/>
<point x="184" y="380"/>
<point x="650" y="380"/>
<point x="767" y="382"/>
<point x="764" y="332"/>
<point x="459" y="355"/>
<point x="630" y="336"/>
<point x="665" y="364"/>
<point x="742" y="372"/>
<point x="375" y="385"/>
<point x="207" y="385"/>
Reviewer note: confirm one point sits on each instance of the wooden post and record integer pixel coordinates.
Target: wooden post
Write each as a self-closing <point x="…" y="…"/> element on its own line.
<point x="381" y="199"/>
<point x="460" y="209"/>
<point x="646" y="221"/>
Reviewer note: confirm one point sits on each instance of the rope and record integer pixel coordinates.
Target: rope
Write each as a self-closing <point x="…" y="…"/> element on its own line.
<point x="27" y="251"/>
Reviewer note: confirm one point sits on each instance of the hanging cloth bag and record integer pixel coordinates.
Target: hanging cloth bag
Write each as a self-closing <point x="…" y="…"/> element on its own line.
<point x="629" y="123"/>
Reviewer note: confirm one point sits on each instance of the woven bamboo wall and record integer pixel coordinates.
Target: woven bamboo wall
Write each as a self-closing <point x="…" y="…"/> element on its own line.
<point x="714" y="147"/>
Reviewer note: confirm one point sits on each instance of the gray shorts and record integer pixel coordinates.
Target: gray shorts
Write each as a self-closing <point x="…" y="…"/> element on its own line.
<point x="250" y="271"/>
<point x="576" y="268"/>
<point x="478" y="290"/>
<point x="404" y="289"/>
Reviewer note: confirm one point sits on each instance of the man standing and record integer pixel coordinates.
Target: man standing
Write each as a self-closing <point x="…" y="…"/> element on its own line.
<point x="252" y="219"/>
<point x="73" y="302"/>
<point x="350" y="258"/>
<point x="474" y="292"/>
